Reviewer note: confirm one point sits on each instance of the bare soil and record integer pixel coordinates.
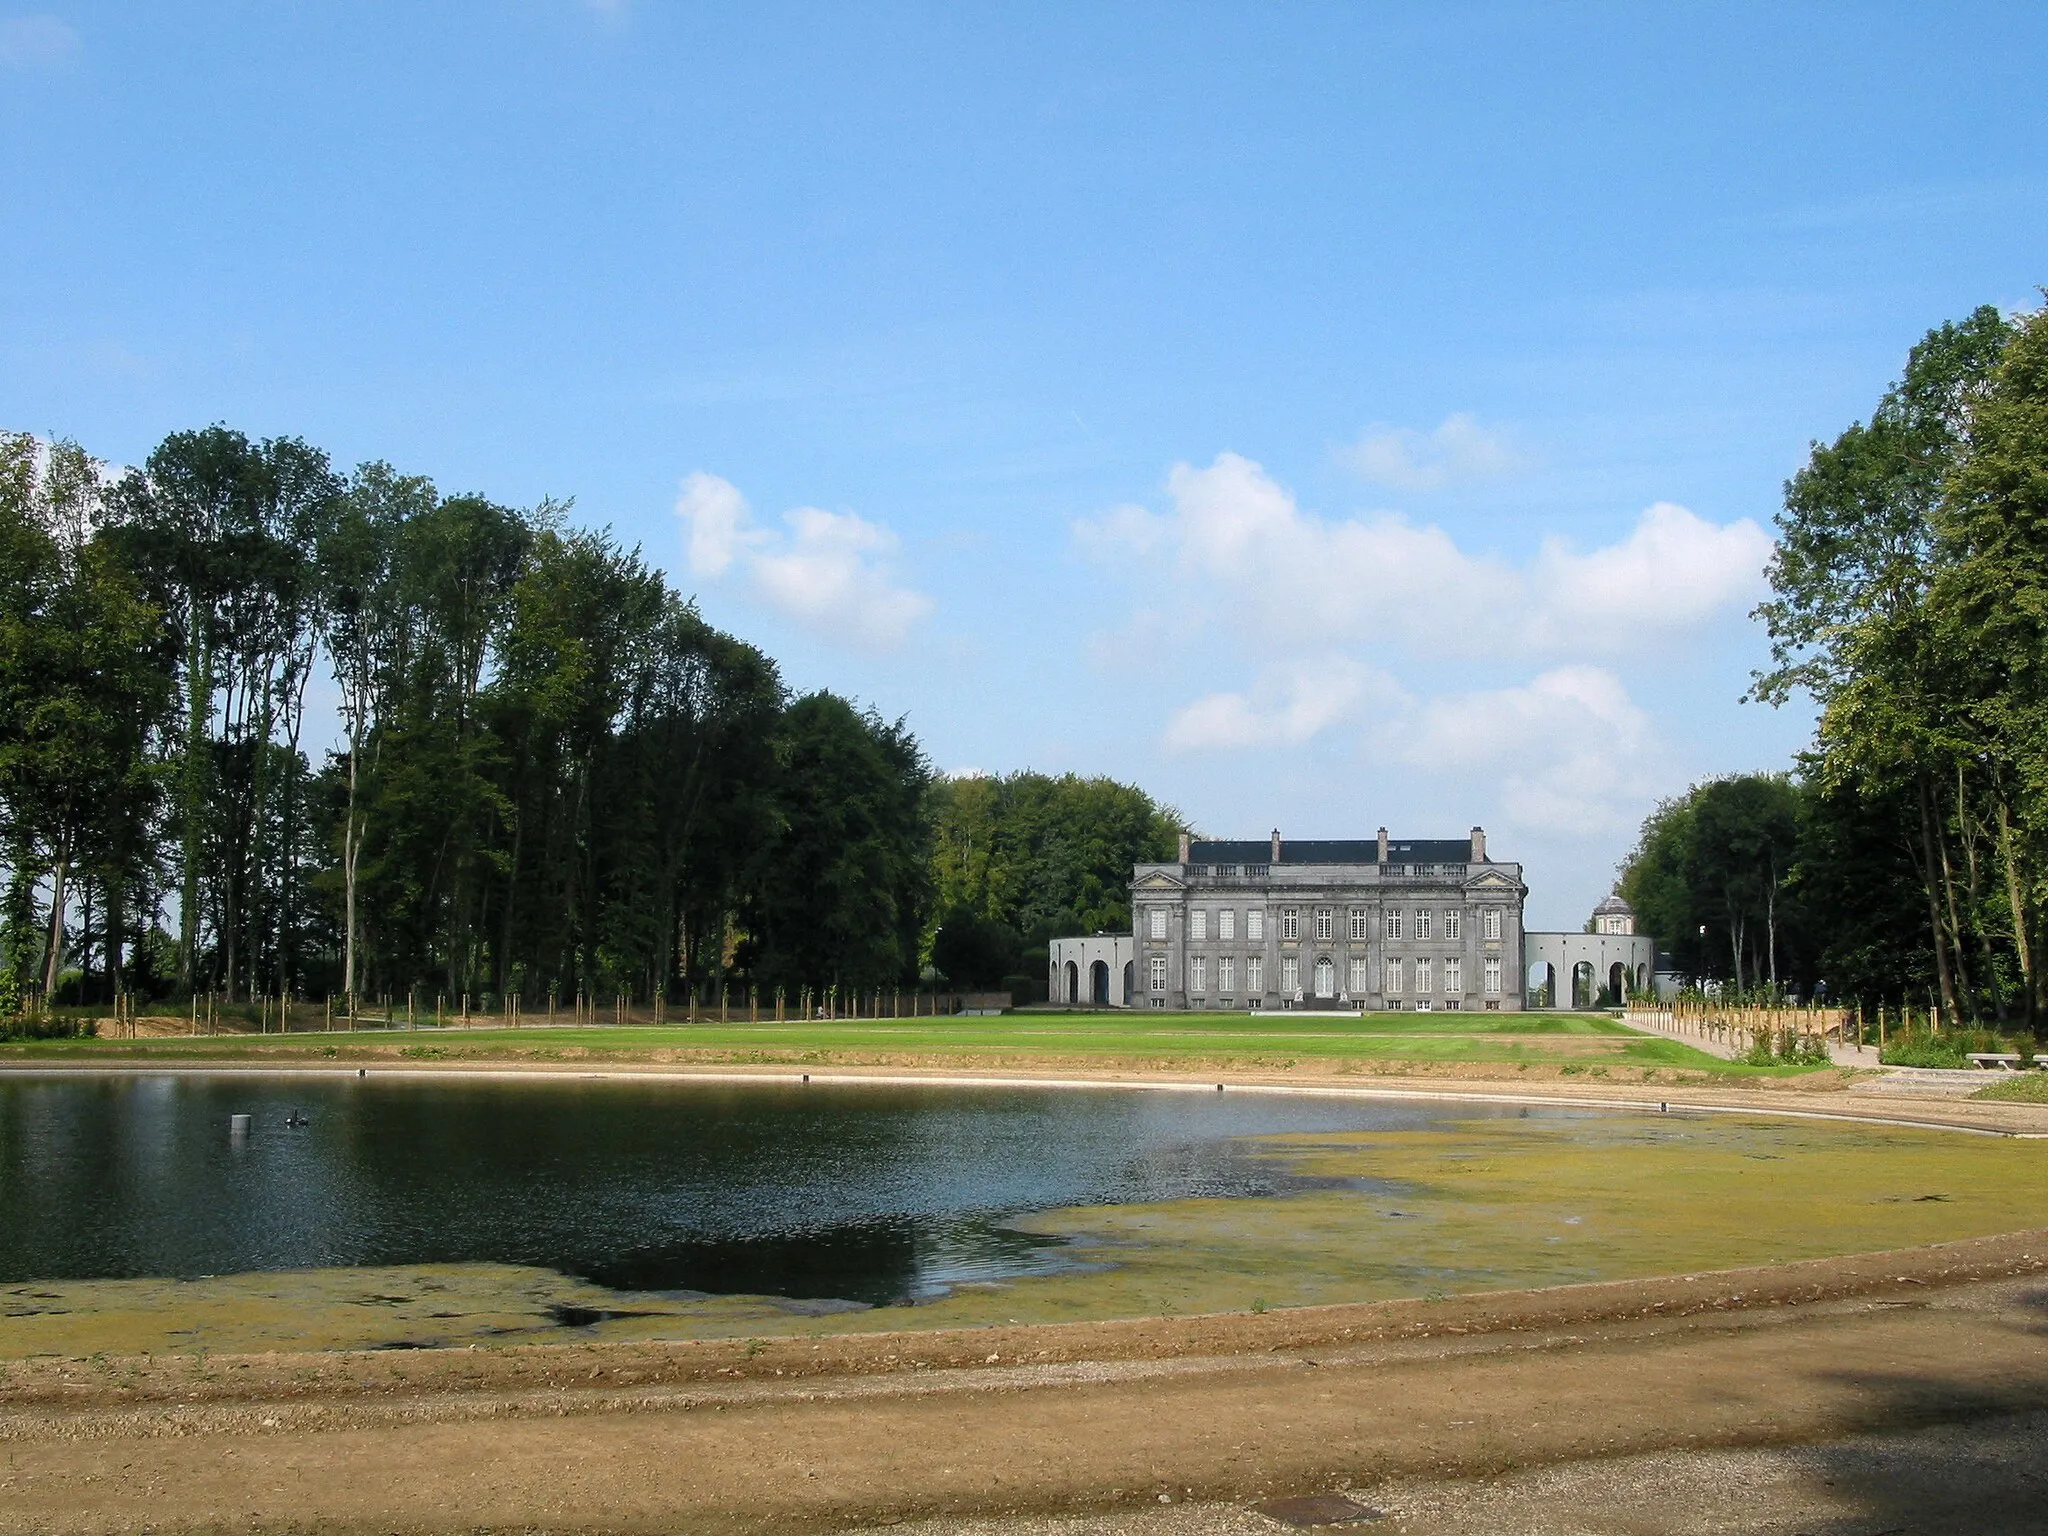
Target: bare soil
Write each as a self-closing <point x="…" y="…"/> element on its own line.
<point x="838" y="1433"/>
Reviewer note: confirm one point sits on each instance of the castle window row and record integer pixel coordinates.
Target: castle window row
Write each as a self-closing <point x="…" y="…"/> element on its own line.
<point x="1424" y="922"/>
<point x="1397" y="973"/>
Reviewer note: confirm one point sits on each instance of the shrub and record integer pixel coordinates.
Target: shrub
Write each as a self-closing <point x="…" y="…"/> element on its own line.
<point x="1787" y="1048"/>
<point x="47" y="1026"/>
<point x="1920" y="1048"/>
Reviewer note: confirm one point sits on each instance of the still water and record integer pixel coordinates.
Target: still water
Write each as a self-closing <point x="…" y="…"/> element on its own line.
<point x="850" y="1193"/>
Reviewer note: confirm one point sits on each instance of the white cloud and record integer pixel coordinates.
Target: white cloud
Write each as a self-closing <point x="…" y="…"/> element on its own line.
<point x="35" y="42"/>
<point x="826" y="576"/>
<point x="1571" y="750"/>
<point x="1310" y="609"/>
<point x="1290" y="705"/>
<point x="1458" y="450"/>
<point x="1239" y="544"/>
<point x="718" y="519"/>
<point x="828" y="572"/>
<point x="1675" y="570"/>
<point x="1245" y="554"/>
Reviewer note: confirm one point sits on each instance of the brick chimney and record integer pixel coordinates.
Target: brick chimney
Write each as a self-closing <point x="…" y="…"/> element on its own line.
<point x="1479" y="845"/>
<point x="1276" y="845"/>
<point x="1383" y="845"/>
<point x="1183" y="847"/>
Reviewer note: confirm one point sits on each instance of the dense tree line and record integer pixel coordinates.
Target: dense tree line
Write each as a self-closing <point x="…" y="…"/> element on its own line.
<point x="1910" y="602"/>
<point x="554" y="777"/>
<point x="1023" y="858"/>
<point x="1774" y="882"/>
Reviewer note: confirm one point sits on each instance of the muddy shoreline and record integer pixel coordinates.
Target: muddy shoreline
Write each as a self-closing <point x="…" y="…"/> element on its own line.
<point x="588" y="1377"/>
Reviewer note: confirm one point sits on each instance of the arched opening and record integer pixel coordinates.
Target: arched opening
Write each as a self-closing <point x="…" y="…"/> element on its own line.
<point x="1130" y="980"/>
<point x="1326" y="977"/>
<point x="1098" y="983"/>
<point x="1071" y="993"/>
<point x="1542" y="985"/>
<point x="1617" y="985"/>
<point x="1582" y="984"/>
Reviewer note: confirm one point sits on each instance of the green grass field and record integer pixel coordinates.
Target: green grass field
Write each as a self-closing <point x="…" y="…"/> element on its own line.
<point x="1571" y="1042"/>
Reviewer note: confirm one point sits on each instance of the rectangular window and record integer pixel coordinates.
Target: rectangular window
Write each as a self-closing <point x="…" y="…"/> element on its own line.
<point x="1254" y="975"/>
<point x="1393" y="925"/>
<point x="1226" y="925"/>
<point x="1454" y="975"/>
<point x="1422" y="976"/>
<point x="1326" y="924"/>
<point x="1393" y="976"/>
<point x="1198" y="927"/>
<point x="1226" y="974"/>
<point x="1360" y="917"/>
<point x="1290" y="975"/>
<point x="1290" y="922"/>
<point x="1198" y="974"/>
<point x="1493" y="978"/>
<point x="1422" y="923"/>
<point x="1361" y="975"/>
<point x="1157" y="920"/>
<point x="1159" y="973"/>
<point x="1493" y="922"/>
<point x="1454" y="924"/>
<point x="1255" y="923"/>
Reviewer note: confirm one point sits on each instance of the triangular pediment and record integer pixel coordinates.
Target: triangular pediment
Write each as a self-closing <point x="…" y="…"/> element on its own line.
<point x="1158" y="882"/>
<point x="1490" y="880"/>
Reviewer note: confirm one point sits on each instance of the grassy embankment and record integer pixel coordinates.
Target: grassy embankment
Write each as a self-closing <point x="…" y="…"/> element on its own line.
<point x="2019" y="1088"/>
<point x="1566" y="1044"/>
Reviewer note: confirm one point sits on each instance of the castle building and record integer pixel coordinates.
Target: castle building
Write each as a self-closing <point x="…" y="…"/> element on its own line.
<point x="1318" y="924"/>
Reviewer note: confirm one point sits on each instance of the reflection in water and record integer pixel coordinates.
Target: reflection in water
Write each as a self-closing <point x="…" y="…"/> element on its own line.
<point x="824" y="1192"/>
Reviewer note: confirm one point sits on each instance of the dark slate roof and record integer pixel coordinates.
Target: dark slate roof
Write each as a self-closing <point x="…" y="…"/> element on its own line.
<point x="1431" y="850"/>
<point x="1359" y="850"/>
<point x="1260" y="852"/>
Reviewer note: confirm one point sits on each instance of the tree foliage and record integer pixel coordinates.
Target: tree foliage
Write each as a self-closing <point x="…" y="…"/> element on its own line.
<point x="553" y="777"/>
<point x="1024" y="857"/>
<point x="1910" y="602"/>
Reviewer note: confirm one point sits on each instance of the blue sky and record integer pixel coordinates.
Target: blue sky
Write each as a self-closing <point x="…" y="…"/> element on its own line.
<point x="1324" y="416"/>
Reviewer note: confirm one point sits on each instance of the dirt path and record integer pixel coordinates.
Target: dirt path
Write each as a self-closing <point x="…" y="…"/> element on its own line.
<point x="795" y="1435"/>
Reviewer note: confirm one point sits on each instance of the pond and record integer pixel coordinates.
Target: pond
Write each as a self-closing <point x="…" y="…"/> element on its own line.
<point x="829" y="1192"/>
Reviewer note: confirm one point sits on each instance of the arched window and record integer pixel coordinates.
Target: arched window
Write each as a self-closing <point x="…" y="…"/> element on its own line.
<point x="1326" y="977"/>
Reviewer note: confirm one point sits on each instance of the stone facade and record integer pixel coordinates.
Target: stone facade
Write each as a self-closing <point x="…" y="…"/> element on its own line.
<point x="1328" y="924"/>
<point x="1097" y="971"/>
<point x="1573" y="969"/>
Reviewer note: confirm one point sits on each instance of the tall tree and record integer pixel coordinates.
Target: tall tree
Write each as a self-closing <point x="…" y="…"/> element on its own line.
<point x="1851" y="621"/>
<point x="1991" y="601"/>
<point x="83" y="680"/>
<point x="363" y="612"/>
<point x="843" y="892"/>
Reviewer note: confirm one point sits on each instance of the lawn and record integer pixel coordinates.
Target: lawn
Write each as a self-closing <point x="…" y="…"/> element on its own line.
<point x="1280" y="1040"/>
